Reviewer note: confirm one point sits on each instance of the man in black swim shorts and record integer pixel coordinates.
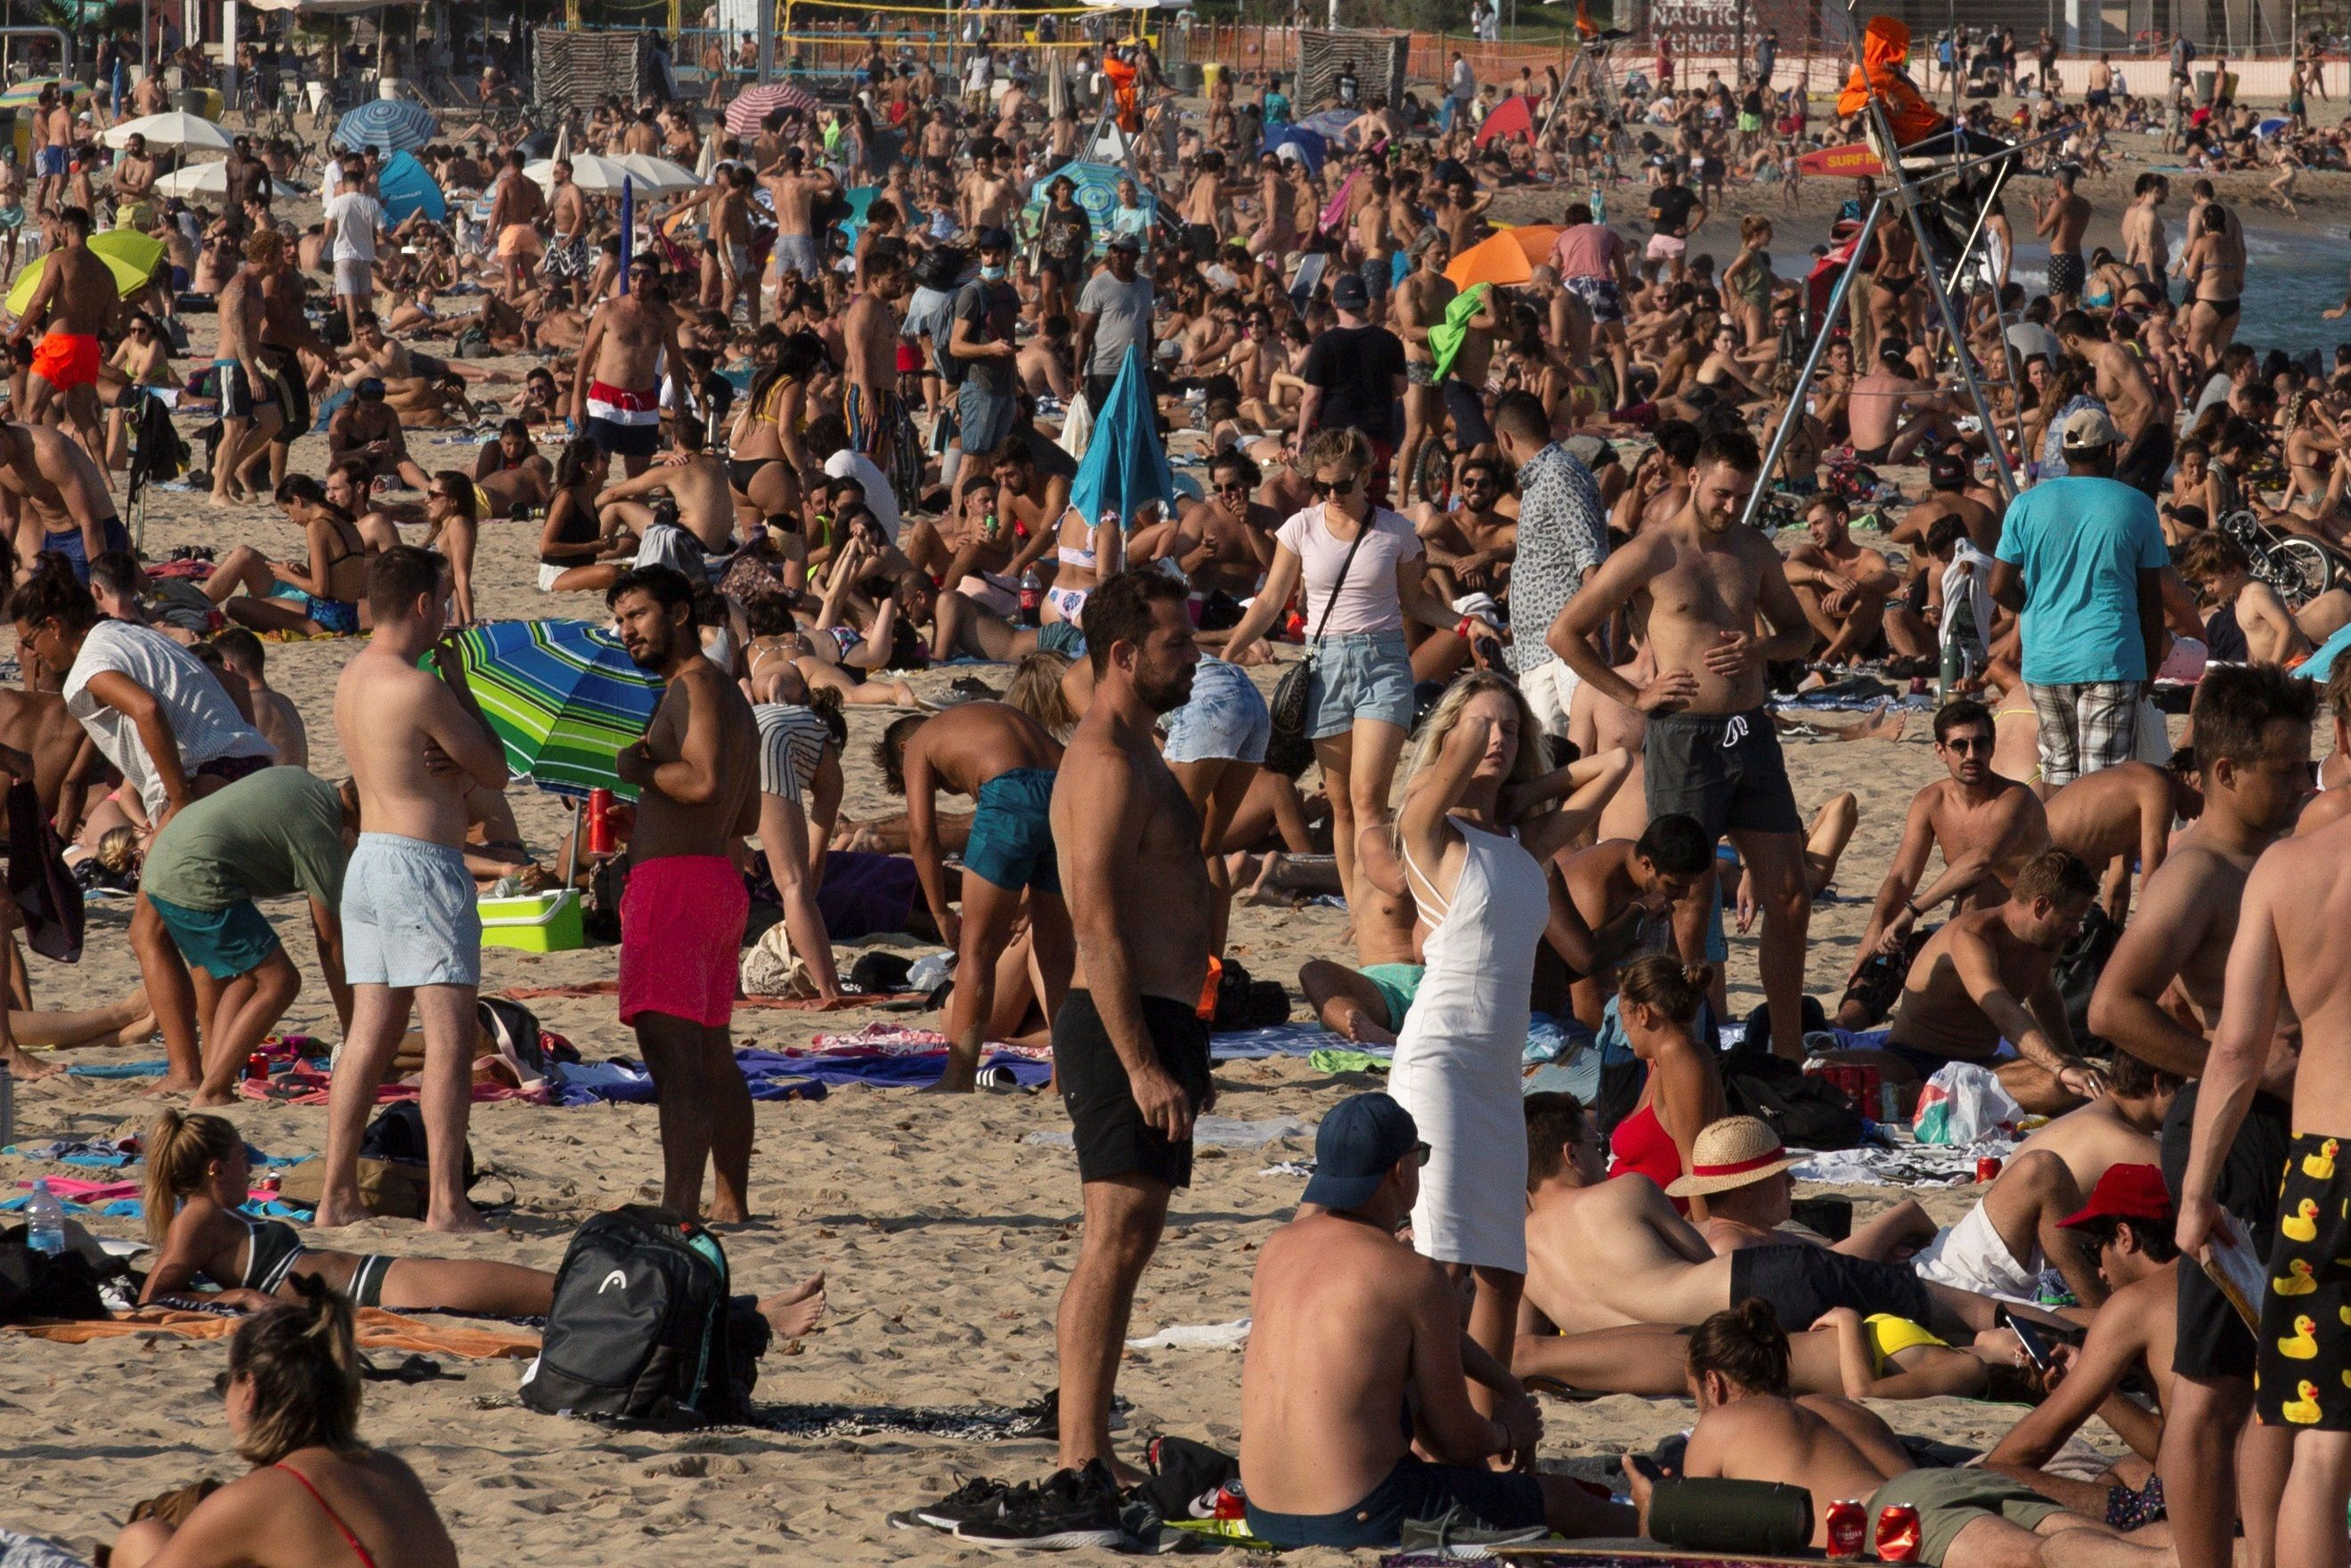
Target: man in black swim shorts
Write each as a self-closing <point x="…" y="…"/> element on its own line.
<point x="1129" y="1048"/>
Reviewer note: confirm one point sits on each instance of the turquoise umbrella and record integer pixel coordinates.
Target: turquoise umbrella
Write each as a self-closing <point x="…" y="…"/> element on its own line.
<point x="564" y="698"/>
<point x="1124" y="467"/>
<point x="1097" y="192"/>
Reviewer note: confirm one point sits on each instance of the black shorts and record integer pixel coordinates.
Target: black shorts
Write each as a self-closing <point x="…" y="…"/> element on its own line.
<point x="1801" y="1281"/>
<point x="293" y="388"/>
<point x="2305" y="1347"/>
<point x="2212" y="1340"/>
<point x="1466" y="409"/>
<point x="1202" y="240"/>
<point x="1414" y="1490"/>
<point x="1111" y="1135"/>
<point x="1724" y="769"/>
<point x="2147" y="462"/>
<point x="239" y="398"/>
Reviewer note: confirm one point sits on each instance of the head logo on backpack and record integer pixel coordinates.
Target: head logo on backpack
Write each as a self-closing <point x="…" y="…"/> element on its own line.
<point x="617" y="1277"/>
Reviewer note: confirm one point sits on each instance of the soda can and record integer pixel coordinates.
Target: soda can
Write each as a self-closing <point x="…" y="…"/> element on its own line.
<point x="1897" y="1533"/>
<point x="600" y="822"/>
<point x="1987" y="1167"/>
<point x="256" y="1067"/>
<point x="1848" y="1528"/>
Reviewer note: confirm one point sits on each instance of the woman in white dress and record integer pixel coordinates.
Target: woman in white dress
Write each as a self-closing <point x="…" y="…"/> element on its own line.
<point x="1481" y="817"/>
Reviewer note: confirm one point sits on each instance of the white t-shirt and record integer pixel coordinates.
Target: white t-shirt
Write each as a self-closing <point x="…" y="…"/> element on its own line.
<point x="202" y="718"/>
<point x="878" y="496"/>
<point x="1367" y="601"/>
<point x="331" y="180"/>
<point x="356" y="216"/>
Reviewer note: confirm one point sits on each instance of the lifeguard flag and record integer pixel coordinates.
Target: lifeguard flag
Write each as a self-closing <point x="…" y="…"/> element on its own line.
<point x="1847" y="163"/>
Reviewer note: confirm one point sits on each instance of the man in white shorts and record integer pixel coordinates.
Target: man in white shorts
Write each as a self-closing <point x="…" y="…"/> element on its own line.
<point x="354" y="219"/>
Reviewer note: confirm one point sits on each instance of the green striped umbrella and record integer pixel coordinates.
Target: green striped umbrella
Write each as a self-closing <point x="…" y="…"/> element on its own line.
<point x="563" y="697"/>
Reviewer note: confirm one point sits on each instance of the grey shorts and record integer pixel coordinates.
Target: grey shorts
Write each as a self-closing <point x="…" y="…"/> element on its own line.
<point x="1362" y="674"/>
<point x="1723" y="769"/>
<point x="797" y="253"/>
<point x="1225" y="717"/>
<point x="408" y="916"/>
<point x="983" y="419"/>
<point x="355" y="278"/>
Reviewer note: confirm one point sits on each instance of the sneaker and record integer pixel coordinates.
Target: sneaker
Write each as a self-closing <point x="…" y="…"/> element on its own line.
<point x="1461" y="1535"/>
<point x="978" y="1498"/>
<point x="1073" y="1509"/>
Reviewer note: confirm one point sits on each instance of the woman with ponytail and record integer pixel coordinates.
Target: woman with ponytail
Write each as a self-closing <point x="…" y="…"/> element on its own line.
<point x="198" y="1176"/>
<point x="1658" y="1000"/>
<point x="316" y="1496"/>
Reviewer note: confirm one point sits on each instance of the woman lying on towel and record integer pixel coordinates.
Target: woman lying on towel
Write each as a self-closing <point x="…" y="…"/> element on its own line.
<point x="316" y="1493"/>
<point x="198" y="1174"/>
<point x="1844" y="1355"/>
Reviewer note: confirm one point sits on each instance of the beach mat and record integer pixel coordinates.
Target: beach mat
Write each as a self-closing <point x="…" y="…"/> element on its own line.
<point x="1632" y="1552"/>
<point x="786" y="1004"/>
<point x="378" y="1330"/>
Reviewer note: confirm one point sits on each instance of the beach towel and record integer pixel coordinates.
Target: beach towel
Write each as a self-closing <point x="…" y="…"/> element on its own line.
<point x="1445" y="338"/>
<point x="787" y="1004"/>
<point x="378" y="1330"/>
<point x="1125" y="466"/>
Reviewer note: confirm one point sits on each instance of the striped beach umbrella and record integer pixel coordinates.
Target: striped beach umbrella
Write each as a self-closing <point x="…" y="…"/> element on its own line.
<point x="754" y="104"/>
<point x="563" y="697"/>
<point x="393" y="122"/>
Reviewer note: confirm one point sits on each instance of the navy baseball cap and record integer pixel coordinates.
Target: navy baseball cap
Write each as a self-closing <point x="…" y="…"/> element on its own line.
<point x="1355" y="1147"/>
<point x="1348" y="292"/>
<point x="994" y="239"/>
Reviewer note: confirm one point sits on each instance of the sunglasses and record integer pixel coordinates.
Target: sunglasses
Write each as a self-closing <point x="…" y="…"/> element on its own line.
<point x="1420" y="1156"/>
<point x="1324" y="489"/>
<point x="1969" y="744"/>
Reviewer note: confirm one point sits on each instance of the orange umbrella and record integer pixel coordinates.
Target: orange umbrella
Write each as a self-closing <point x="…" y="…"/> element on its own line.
<point x="1536" y="240"/>
<point x="1501" y="260"/>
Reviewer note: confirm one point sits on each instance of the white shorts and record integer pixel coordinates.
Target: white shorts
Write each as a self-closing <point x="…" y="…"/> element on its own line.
<point x="1666" y="247"/>
<point x="355" y="278"/>
<point x="1548" y="688"/>
<point x="548" y="572"/>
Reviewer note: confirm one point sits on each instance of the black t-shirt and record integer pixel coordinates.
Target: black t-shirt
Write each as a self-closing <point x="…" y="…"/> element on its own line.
<point x="1356" y="368"/>
<point x="1670" y="208"/>
<point x="992" y="309"/>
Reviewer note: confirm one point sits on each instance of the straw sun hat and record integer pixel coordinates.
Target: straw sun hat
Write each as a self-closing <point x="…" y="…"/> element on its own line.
<point x="1737" y="1151"/>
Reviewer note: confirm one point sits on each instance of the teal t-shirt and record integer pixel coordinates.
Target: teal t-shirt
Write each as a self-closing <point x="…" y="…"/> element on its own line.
<point x="2081" y="544"/>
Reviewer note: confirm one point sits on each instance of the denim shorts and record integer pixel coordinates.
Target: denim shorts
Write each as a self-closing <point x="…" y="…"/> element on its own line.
<point x="408" y="916"/>
<point x="1225" y="717"/>
<point x="1362" y="674"/>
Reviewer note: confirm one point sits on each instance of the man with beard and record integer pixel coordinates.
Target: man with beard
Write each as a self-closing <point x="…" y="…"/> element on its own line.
<point x="1130" y="1049"/>
<point x="615" y="392"/>
<point x="697" y="771"/>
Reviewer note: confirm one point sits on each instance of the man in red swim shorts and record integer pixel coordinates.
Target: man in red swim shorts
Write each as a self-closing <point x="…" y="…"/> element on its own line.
<point x="697" y="776"/>
<point x="76" y="298"/>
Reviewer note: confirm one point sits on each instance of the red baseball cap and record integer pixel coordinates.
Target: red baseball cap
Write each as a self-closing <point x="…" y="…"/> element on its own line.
<point x="2127" y="1192"/>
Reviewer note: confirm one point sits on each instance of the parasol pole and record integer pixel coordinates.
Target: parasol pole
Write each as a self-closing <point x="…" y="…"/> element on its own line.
<point x="628" y="226"/>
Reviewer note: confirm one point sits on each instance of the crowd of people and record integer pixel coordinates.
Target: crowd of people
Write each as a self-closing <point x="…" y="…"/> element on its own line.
<point x="793" y="449"/>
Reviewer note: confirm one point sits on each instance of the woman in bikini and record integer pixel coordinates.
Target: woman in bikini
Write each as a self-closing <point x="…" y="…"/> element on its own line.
<point x="578" y="553"/>
<point x="840" y="646"/>
<point x="2216" y="283"/>
<point x="143" y="359"/>
<point x="325" y="599"/>
<point x="766" y="455"/>
<point x="1657" y="1001"/>
<point x="316" y="1494"/>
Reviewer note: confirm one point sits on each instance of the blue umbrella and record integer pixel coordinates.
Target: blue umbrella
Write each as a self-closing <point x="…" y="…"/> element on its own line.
<point x="1124" y="465"/>
<point x="1309" y="144"/>
<point x="405" y="188"/>
<point x="1097" y="192"/>
<point x="389" y="122"/>
<point x="1330" y="124"/>
<point x="564" y="698"/>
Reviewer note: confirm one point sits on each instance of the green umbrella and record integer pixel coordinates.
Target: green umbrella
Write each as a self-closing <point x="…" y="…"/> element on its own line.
<point x="564" y="698"/>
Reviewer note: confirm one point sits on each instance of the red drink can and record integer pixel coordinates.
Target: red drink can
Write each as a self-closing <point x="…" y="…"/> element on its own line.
<point x="257" y="1066"/>
<point x="1848" y="1528"/>
<point x="1897" y="1533"/>
<point x="1987" y="1167"/>
<point x="600" y="822"/>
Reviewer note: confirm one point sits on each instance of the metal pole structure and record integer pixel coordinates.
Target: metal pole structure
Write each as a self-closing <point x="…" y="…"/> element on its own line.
<point x="766" y="10"/>
<point x="1822" y="333"/>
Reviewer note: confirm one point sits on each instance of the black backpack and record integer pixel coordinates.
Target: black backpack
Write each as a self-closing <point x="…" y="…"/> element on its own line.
<point x="37" y="1286"/>
<point x="1808" y="1112"/>
<point x="642" y="1330"/>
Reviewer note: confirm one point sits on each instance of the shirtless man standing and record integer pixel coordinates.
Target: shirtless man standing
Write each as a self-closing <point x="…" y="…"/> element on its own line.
<point x="2120" y="816"/>
<point x="566" y="262"/>
<point x="515" y="212"/>
<point x="286" y="334"/>
<point x="2146" y="249"/>
<point x="250" y="417"/>
<point x="615" y="393"/>
<point x="60" y="496"/>
<point x="697" y="771"/>
<point x="1986" y="828"/>
<point x="1203" y="207"/>
<point x="2252" y="753"/>
<point x="1005" y="762"/>
<point x="1130" y="1050"/>
<point x="1711" y="750"/>
<point x="730" y="232"/>
<point x="796" y="195"/>
<point x="411" y="932"/>
<point x="2140" y="407"/>
<point x="1419" y="303"/>
<point x="1985" y="978"/>
<point x="78" y="299"/>
<point x="869" y="347"/>
<point x="1322" y="1458"/>
<point x="2286" y="953"/>
<point x="2061" y="221"/>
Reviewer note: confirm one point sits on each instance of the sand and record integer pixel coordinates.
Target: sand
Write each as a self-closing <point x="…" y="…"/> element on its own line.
<point x="946" y="1237"/>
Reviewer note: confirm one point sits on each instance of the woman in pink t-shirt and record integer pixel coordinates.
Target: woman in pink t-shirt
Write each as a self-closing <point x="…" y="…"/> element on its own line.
<point x="1359" y="707"/>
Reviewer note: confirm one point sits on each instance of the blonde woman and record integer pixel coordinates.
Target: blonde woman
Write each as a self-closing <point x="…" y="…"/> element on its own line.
<point x="1479" y="820"/>
<point x="1359" y="566"/>
<point x="316" y="1494"/>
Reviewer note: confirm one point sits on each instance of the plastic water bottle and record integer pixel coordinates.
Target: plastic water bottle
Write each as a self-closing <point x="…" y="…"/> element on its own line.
<point x="45" y="1220"/>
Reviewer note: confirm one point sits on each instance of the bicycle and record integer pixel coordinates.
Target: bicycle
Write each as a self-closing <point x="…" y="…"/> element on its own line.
<point x="2299" y="569"/>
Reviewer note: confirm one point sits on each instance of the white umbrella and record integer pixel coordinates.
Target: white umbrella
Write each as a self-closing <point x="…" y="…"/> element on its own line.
<point x="172" y="130"/>
<point x="200" y="180"/>
<point x="603" y="177"/>
<point x="562" y="140"/>
<point x="658" y="177"/>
